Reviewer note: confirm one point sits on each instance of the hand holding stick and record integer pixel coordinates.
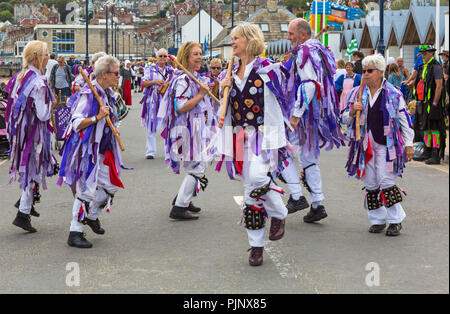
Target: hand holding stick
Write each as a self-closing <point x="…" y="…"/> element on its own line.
<point x="181" y="67"/>
<point x="108" y="120"/>
<point x="225" y="93"/>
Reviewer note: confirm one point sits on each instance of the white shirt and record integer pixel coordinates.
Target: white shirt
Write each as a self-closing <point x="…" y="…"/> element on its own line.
<point x="405" y="129"/>
<point x="241" y="83"/>
<point x="48" y="68"/>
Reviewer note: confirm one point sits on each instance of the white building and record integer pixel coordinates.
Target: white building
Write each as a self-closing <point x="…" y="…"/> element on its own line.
<point x="190" y="31"/>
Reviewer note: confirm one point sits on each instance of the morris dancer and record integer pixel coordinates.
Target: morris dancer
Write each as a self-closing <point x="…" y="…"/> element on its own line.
<point x="386" y="144"/>
<point x="79" y="81"/>
<point x="155" y="76"/>
<point x="215" y="67"/>
<point x="29" y="132"/>
<point x="258" y="145"/>
<point x="90" y="156"/>
<point x="313" y="111"/>
<point x="188" y="116"/>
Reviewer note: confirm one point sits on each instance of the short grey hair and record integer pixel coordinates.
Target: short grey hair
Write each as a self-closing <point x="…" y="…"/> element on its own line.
<point x="162" y="51"/>
<point x="97" y="56"/>
<point x="376" y="60"/>
<point x="303" y="26"/>
<point x="105" y="64"/>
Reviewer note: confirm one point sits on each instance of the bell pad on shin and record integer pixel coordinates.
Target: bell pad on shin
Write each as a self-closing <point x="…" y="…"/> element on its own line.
<point x="254" y="217"/>
<point x="257" y="193"/>
<point x="392" y="196"/>
<point x="373" y="201"/>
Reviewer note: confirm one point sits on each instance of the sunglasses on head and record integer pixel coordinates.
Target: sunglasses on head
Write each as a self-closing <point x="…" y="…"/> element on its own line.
<point x="368" y="71"/>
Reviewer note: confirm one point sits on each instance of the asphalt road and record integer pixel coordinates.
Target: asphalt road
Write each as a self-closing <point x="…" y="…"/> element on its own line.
<point x="143" y="251"/>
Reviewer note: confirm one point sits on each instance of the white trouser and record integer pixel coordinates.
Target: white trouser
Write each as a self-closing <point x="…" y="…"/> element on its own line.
<point x="376" y="176"/>
<point x="312" y="174"/>
<point x="188" y="186"/>
<point x="26" y="200"/>
<point x="150" y="147"/>
<point x="254" y="175"/>
<point x="94" y="194"/>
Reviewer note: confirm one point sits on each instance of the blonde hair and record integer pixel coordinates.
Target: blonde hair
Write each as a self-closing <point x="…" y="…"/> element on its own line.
<point x="215" y="61"/>
<point x="253" y="35"/>
<point x="185" y="51"/>
<point x="32" y="54"/>
<point x="340" y="64"/>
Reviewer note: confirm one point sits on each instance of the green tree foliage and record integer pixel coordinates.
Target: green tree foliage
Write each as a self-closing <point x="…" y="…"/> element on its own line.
<point x="6" y="16"/>
<point x="299" y="4"/>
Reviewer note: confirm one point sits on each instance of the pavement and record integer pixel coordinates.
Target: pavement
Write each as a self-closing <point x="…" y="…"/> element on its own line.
<point x="143" y="251"/>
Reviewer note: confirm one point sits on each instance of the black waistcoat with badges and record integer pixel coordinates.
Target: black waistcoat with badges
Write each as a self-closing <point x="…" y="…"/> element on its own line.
<point x="247" y="107"/>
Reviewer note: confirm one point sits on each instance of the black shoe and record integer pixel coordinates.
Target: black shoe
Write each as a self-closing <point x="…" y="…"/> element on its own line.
<point x="24" y="221"/>
<point x="293" y="205"/>
<point x="77" y="239"/>
<point x="377" y="228"/>
<point x="394" y="230"/>
<point x="181" y="213"/>
<point x="315" y="214"/>
<point x="426" y="154"/>
<point x="149" y="157"/>
<point x="191" y="207"/>
<point x="33" y="212"/>
<point x="434" y="159"/>
<point x="95" y="225"/>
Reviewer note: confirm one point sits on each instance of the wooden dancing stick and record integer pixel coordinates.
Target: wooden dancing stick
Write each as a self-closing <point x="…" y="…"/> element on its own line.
<point x="323" y="30"/>
<point x="226" y="92"/>
<point x="108" y="120"/>
<point x="358" y="113"/>
<point x="181" y="67"/>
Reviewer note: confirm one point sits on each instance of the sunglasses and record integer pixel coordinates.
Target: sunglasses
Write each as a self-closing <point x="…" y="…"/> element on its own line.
<point x="216" y="68"/>
<point x="163" y="56"/>
<point x="368" y="71"/>
<point x="117" y="73"/>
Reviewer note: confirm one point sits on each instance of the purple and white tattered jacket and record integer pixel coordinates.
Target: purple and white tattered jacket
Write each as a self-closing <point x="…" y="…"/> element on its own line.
<point x="189" y="136"/>
<point x="82" y="148"/>
<point x="311" y="96"/>
<point x="396" y="124"/>
<point x="151" y="100"/>
<point x="27" y="118"/>
<point x="271" y="139"/>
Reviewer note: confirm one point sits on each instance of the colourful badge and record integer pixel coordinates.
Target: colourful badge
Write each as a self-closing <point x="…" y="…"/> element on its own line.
<point x="256" y="109"/>
<point x="260" y="120"/>
<point x="249" y="102"/>
<point x="237" y="116"/>
<point x="258" y="83"/>
<point x="236" y="105"/>
<point x="253" y="91"/>
<point x="233" y="92"/>
<point x="250" y="116"/>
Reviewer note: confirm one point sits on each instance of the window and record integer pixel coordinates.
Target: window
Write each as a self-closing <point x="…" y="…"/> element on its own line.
<point x="63" y="48"/>
<point x="63" y="35"/>
<point x="264" y="27"/>
<point x="284" y="27"/>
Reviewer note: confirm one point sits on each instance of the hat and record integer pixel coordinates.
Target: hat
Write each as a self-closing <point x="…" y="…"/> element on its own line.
<point x="445" y="53"/>
<point x="427" y="48"/>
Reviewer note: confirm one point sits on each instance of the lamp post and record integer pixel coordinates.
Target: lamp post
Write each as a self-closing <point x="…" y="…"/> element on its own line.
<point x="232" y="14"/>
<point x="115" y="41"/>
<point x="129" y="54"/>
<point x="123" y="44"/>
<point x="199" y="19"/>
<point x="381" y="46"/>
<point x="106" y="33"/>
<point x="210" y="29"/>
<point x="87" y="33"/>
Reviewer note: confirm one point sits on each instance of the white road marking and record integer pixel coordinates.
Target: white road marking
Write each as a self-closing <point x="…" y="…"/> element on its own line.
<point x="2" y="162"/>
<point x="276" y="255"/>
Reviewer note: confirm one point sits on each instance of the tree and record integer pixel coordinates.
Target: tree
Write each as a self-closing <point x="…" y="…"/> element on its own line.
<point x="6" y="16"/>
<point x="299" y="4"/>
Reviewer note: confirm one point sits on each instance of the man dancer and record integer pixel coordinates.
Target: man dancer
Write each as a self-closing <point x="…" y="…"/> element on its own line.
<point x="312" y="110"/>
